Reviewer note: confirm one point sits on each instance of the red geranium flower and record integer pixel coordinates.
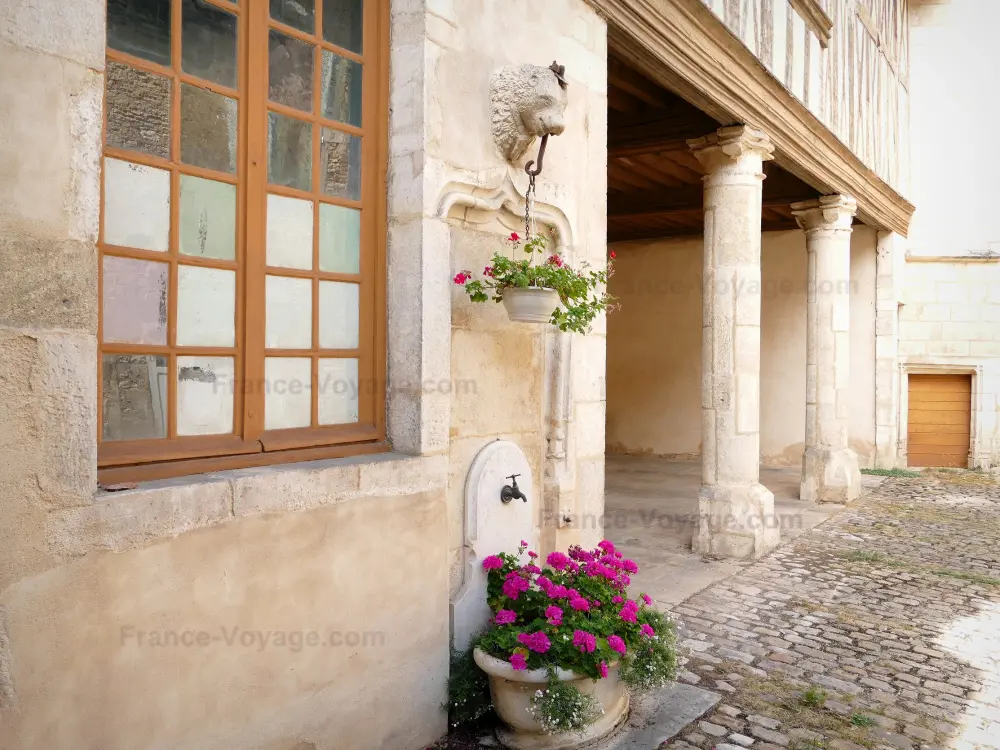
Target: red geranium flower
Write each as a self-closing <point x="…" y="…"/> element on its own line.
<point x="514" y="237"/>
<point x="613" y="255"/>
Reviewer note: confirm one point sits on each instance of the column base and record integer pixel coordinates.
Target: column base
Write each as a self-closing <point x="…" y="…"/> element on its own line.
<point x="736" y="521"/>
<point x="830" y="476"/>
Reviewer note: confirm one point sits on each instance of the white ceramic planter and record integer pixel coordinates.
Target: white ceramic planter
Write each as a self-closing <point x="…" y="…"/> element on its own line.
<point x="512" y="690"/>
<point x="531" y="304"/>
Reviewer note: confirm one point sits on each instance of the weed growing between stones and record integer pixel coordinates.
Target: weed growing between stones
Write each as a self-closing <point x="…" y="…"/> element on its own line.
<point x="890" y="473"/>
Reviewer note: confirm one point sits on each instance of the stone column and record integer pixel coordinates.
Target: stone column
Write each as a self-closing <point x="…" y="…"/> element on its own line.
<point x="736" y="512"/>
<point x="829" y="467"/>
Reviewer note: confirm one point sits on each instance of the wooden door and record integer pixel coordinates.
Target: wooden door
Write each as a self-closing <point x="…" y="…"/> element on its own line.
<point x="940" y="413"/>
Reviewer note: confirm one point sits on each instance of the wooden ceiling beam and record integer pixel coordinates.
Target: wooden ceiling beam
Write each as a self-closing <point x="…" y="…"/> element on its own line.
<point x="632" y="82"/>
<point x="669" y="133"/>
<point x="667" y="202"/>
<point x="652" y="233"/>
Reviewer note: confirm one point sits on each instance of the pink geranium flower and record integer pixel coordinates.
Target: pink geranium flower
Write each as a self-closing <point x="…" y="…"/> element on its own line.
<point x="604" y="669"/>
<point x="580" y="604"/>
<point x="616" y="644"/>
<point x="607" y="546"/>
<point x="585" y="641"/>
<point x="645" y="598"/>
<point x="505" y="617"/>
<point x="492" y="563"/>
<point x="557" y="560"/>
<point x="554" y="615"/>
<point x="629" y="611"/>
<point x="535" y="641"/>
<point x="648" y="631"/>
<point x="518" y="661"/>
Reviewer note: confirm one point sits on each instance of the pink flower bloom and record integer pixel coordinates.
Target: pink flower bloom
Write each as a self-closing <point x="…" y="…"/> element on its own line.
<point x="585" y="641"/>
<point x="555" y="260"/>
<point x="557" y="560"/>
<point x="616" y="644"/>
<point x="514" y="585"/>
<point x="617" y="600"/>
<point x="532" y="555"/>
<point x="518" y="661"/>
<point x="628" y="612"/>
<point x="535" y="641"/>
<point x="580" y="604"/>
<point x="554" y="615"/>
<point x="531" y="569"/>
<point x="488" y="271"/>
<point x="460" y="278"/>
<point x="543" y="583"/>
<point x="607" y="546"/>
<point x="625" y="580"/>
<point x="574" y="568"/>
<point x="645" y="598"/>
<point x="580" y="554"/>
<point x="648" y="631"/>
<point x="558" y="592"/>
<point x="524" y="543"/>
<point x="505" y="617"/>
<point x="604" y="668"/>
<point x="630" y="566"/>
<point x="492" y="563"/>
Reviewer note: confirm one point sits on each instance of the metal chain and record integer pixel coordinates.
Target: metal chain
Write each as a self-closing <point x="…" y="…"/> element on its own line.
<point x="529" y="204"/>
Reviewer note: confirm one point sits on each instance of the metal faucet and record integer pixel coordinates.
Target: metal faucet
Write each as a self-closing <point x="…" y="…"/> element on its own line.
<point x="511" y="491"/>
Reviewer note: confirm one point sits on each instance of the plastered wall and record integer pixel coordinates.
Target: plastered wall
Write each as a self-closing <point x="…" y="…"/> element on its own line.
<point x="949" y="288"/>
<point x="654" y="348"/>
<point x="348" y="549"/>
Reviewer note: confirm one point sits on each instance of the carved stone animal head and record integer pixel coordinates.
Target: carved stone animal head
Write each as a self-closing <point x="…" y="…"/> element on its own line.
<point x="528" y="101"/>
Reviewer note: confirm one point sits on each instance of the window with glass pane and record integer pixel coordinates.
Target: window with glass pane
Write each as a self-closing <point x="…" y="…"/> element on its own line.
<point x="239" y="233"/>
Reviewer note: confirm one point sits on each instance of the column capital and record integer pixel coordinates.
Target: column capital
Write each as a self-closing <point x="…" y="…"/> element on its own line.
<point x="828" y="213"/>
<point x="730" y="144"/>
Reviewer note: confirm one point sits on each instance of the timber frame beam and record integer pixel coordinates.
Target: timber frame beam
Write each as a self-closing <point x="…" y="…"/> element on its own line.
<point x="684" y="47"/>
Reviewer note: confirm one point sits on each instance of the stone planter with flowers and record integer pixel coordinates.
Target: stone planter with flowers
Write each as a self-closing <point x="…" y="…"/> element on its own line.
<point x="567" y="646"/>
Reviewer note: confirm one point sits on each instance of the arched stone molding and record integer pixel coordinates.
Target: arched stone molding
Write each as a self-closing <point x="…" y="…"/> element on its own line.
<point x="478" y="204"/>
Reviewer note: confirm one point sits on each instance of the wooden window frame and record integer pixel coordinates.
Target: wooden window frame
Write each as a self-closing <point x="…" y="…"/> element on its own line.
<point x="250" y="444"/>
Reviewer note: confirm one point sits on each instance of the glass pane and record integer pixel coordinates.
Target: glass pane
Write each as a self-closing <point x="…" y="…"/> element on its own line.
<point x="288" y="313"/>
<point x="290" y="71"/>
<point x="138" y="110"/>
<point x="140" y="28"/>
<point x="135" y="301"/>
<point x="300" y="14"/>
<point x="205" y="387"/>
<point x="340" y="157"/>
<point x="339" y="239"/>
<point x="337" y="399"/>
<point x="133" y="397"/>
<point x="136" y="205"/>
<point x="338" y="315"/>
<point x="289" y="148"/>
<point x="208" y="41"/>
<point x="208" y="218"/>
<point x="289" y="232"/>
<point x="342" y="23"/>
<point x="208" y="129"/>
<point x="341" y="89"/>
<point x="287" y="392"/>
<point x="206" y="306"/>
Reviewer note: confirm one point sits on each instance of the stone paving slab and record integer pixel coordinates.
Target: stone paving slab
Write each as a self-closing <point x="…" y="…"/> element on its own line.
<point x="661" y="715"/>
<point x="878" y="630"/>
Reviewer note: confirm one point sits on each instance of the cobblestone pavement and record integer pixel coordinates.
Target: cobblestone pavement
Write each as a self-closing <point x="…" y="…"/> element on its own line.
<point x="879" y="629"/>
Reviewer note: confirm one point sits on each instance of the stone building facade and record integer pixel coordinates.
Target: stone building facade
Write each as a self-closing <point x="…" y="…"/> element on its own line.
<point x="293" y="604"/>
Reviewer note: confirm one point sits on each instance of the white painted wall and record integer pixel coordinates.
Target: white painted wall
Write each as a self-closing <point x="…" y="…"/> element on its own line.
<point x="654" y="347"/>
<point x="954" y="65"/>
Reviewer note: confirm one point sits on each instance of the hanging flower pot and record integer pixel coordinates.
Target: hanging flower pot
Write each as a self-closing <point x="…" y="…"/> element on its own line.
<point x="531" y="304"/>
<point x="541" y="287"/>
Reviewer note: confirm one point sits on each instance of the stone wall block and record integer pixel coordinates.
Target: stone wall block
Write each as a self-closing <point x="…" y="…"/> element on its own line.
<point x="74" y="31"/>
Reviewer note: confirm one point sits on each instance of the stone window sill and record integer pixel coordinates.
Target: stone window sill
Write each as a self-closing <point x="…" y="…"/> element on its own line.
<point x="118" y="521"/>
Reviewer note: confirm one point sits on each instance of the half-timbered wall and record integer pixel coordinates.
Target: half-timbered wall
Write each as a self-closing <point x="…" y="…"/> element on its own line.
<point x="846" y="60"/>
